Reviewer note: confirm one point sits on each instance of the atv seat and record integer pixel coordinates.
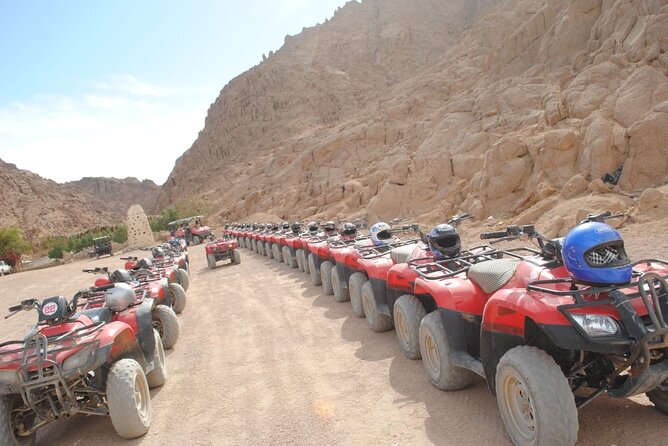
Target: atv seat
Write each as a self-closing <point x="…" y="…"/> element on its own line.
<point x="98" y="315"/>
<point x="402" y="254"/>
<point x="493" y="274"/>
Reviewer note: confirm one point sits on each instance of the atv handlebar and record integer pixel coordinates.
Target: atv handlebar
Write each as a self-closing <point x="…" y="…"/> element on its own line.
<point x="27" y="304"/>
<point x="96" y="270"/>
<point x="457" y="219"/>
<point x="490" y="235"/>
<point x="129" y="258"/>
<point x="602" y="217"/>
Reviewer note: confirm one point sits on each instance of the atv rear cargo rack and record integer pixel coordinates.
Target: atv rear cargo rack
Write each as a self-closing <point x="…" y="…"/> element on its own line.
<point x="336" y="244"/>
<point x="443" y="269"/>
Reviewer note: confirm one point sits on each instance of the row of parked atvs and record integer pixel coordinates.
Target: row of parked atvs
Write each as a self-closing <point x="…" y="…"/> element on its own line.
<point x="98" y="353"/>
<point x="550" y="327"/>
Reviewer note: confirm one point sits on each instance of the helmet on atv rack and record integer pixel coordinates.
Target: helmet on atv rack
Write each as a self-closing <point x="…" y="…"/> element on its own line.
<point x="285" y="225"/>
<point x="275" y="227"/>
<point x="120" y="276"/>
<point x="348" y="231"/>
<point x="444" y="241"/>
<point x="166" y="247"/>
<point x="380" y="233"/>
<point x="296" y="227"/>
<point x="145" y="263"/>
<point x="329" y="228"/>
<point x="313" y="227"/>
<point x="119" y="297"/>
<point x="594" y="253"/>
<point x="157" y="252"/>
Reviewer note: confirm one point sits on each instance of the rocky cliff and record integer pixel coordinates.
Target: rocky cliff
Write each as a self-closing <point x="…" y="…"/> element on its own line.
<point x="405" y="107"/>
<point x="115" y="196"/>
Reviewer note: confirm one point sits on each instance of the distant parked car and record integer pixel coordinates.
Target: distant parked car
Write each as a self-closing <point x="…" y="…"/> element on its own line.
<point x="5" y="268"/>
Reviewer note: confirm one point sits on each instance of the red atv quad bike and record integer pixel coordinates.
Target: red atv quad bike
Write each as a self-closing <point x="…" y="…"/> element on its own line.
<point x="277" y="243"/>
<point x="293" y="243"/>
<point x="79" y="362"/>
<point x="547" y="343"/>
<point x="222" y="249"/>
<point x="198" y="231"/>
<point x="339" y="251"/>
<point x="144" y="271"/>
<point x="162" y="297"/>
<point x="175" y="269"/>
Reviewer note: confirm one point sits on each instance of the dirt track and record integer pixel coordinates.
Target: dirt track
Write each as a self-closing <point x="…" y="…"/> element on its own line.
<point x="266" y="358"/>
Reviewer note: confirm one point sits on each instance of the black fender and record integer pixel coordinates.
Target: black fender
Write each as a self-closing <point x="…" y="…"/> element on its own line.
<point x="493" y="345"/>
<point x="340" y="268"/>
<point x="379" y="288"/>
<point x="145" y="336"/>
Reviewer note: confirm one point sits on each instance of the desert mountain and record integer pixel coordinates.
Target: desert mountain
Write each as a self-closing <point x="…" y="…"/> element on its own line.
<point x="422" y="108"/>
<point x="41" y="207"/>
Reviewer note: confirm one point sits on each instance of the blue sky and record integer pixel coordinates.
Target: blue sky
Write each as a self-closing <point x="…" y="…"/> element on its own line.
<point x="120" y="88"/>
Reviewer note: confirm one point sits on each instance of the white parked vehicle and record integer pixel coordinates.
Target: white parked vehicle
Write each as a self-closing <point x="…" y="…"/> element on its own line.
<point x="4" y="268"/>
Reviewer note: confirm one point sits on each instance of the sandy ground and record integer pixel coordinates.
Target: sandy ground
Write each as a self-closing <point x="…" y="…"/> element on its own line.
<point x="266" y="358"/>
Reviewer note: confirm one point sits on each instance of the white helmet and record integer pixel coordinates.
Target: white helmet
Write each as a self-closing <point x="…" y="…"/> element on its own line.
<point x="119" y="297"/>
<point x="380" y="233"/>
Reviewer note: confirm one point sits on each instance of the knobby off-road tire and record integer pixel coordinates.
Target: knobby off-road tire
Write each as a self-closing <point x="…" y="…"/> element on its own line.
<point x="211" y="261"/>
<point x="535" y="400"/>
<point x="236" y="257"/>
<point x="435" y="352"/>
<point x="315" y="273"/>
<point x="307" y="268"/>
<point x="129" y="399"/>
<point x="178" y="297"/>
<point x="184" y="278"/>
<point x="326" y="277"/>
<point x="357" y="280"/>
<point x="378" y="321"/>
<point x="8" y="437"/>
<point x="408" y="313"/>
<point x="167" y="325"/>
<point x="158" y="376"/>
<point x="288" y="258"/>
<point x="265" y="250"/>
<point x="277" y="253"/>
<point x="196" y="240"/>
<point x="259" y="248"/>
<point x="300" y="259"/>
<point x="659" y="398"/>
<point x="340" y="294"/>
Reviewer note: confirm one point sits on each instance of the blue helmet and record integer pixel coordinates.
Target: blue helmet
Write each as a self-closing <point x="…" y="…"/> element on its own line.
<point x="380" y="233"/>
<point x="444" y="241"/>
<point x="594" y="253"/>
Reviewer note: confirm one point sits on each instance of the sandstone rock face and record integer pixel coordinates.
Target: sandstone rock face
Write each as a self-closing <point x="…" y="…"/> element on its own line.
<point x="41" y="207"/>
<point x="115" y="195"/>
<point x="420" y="108"/>
<point x="139" y="230"/>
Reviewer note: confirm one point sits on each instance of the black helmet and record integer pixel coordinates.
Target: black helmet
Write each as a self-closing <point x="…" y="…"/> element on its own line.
<point x="145" y="263"/>
<point x="285" y="225"/>
<point x="157" y="252"/>
<point x="296" y="227"/>
<point x="120" y="275"/>
<point x="349" y="230"/>
<point x="313" y="227"/>
<point x="444" y="241"/>
<point x="330" y="228"/>
<point x="275" y="227"/>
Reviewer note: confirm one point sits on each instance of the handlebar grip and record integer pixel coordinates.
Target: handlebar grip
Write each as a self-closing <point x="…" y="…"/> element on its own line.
<point x="103" y="287"/>
<point x="489" y="235"/>
<point x="15" y="308"/>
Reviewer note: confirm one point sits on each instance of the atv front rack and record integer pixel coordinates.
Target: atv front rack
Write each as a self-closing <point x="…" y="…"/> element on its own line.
<point x="429" y="269"/>
<point x="372" y="252"/>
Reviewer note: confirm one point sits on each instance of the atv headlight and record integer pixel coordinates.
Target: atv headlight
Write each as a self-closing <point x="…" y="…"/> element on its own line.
<point x="595" y="325"/>
<point x="78" y="360"/>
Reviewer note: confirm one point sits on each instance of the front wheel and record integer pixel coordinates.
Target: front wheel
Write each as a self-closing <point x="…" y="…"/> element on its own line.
<point x="340" y="293"/>
<point x="211" y="261"/>
<point x="357" y="280"/>
<point x="408" y="313"/>
<point x="660" y="399"/>
<point x="11" y="425"/>
<point x="236" y="257"/>
<point x="535" y="400"/>
<point x="277" y="253"/>
<point x="184" y="278"/>
<point x="196" y="240"/>
<point x="129" y="399"/>
<point x="435" y="352"/>
<point x="378" y="321"/>
<point x="315" y="273"/>
<point x="326" y="277"/>
<point x="300" y="259"/>
<point x="167" y="325"/>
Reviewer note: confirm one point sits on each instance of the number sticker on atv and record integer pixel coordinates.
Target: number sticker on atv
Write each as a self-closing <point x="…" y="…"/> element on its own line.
<point x="50" y="309"/>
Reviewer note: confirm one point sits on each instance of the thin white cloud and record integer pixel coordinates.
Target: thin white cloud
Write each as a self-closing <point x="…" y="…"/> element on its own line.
<point x="112" y="132"/>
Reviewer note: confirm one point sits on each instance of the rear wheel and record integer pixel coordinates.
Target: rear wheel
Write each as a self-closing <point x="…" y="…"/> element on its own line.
<point x="129" y="399"/>
<point x="167" y="325"/>
<point x="660" y="399"/>
<point x="435" y="352"/>
<point x="357" y="280"/>
<point x="158" y="376"/>
<point x="378" y="321"/>
<point x="326" y="277"/>
<point x="11" y="425"/>
<point x="211" y="261"/>
<point x="178" y="297"/>
<point x="266" y="250"/>
<point x="535" y="400"/>
<point x="408" y="313"/>
<point x="184" y="278"/>
<point x="236" y="257"/>
<point x="340" y="293"/>
<point x="315" y="273"/>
